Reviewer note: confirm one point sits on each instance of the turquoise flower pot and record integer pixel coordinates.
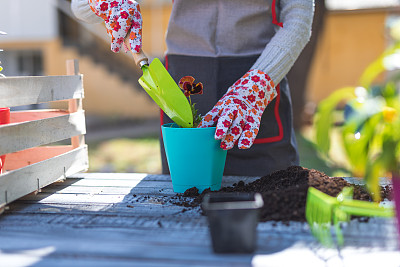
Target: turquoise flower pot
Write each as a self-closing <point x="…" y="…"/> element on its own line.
<point x="194" y="157"/>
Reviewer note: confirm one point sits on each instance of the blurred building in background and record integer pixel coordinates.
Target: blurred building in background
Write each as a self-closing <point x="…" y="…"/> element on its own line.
<point x="353" y="36"/>
<point x="43" y="34"/>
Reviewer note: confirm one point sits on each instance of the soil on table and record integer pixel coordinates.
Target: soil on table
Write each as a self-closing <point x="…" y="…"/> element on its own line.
<point x="284" y="192"/>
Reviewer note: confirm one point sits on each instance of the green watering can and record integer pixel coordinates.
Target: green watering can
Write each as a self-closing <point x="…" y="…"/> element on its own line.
<point x="163" y="90"/>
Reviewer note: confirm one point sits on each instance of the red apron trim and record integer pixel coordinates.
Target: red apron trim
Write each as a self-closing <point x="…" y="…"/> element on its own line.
<point x="278" y="137"/>
<point x="166" y="62"/>
<point x="161" y="117"/>
<point x="274" y="19"/>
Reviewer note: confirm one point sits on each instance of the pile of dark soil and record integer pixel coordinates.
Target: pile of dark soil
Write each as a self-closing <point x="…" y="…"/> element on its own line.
<point x="284" y="192"/>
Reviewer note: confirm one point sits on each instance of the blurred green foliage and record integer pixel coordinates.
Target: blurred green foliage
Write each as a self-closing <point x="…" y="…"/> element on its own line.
<point x="369" y="119"/>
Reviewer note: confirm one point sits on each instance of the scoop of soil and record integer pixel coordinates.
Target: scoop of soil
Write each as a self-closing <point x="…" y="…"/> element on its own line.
<point x="285" y="192"/>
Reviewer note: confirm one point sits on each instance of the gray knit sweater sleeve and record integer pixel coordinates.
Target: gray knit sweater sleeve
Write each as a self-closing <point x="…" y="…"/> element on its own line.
<point x="284" y="48"/>
<point x="82" y="11"/>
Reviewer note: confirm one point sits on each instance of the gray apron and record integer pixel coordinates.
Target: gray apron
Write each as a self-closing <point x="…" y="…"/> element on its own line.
<point x="275" y="146"/>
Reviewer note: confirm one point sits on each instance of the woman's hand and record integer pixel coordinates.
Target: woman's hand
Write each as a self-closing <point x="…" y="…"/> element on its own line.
<point x="122" y="18"/>
<point x="237" y="114"/>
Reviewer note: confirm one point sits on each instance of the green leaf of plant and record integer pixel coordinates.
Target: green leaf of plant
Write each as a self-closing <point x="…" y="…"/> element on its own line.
<point x="383" y="135"/>
<point x="389" y="151"/>
<point x="324" y="119"/>
<point x="358" y="134"/>
<point x="354" y="148"/>
<point x="196" y="117"/>
<point x="372" y="178"/>
<point x="377" y="66"/>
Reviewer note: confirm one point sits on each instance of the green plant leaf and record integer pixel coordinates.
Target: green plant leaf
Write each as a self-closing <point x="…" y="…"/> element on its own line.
<point x="378" y="66"/>
<point x="371" y="130"/>
<point x="372" y="178"/>
<point x="354" y="148"/>
<point x="196" y="117"/>
<point x="324" y="119"/>
<point x="357" y="135"/>
<point x="389" y="151"/>
<point x="382" y="159"/>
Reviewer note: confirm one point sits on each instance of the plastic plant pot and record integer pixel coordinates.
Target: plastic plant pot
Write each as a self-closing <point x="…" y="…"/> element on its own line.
<point x="4" y="119"/>
<point x="233" y="219"/>
<point x="194" y="157"/>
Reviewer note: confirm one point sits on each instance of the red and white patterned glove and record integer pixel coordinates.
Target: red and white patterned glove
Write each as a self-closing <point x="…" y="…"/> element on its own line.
<point x="121" y="17"/>
<point x="237" y="114"/>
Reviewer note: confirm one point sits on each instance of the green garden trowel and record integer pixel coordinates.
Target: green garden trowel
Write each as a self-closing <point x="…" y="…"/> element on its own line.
<point x="163" y="90"/>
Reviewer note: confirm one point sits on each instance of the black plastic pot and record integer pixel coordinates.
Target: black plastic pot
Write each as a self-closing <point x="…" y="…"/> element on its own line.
<point x="233" y="219"/>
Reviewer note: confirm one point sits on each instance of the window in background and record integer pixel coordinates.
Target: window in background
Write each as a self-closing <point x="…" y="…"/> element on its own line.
<point x="30" y="63"/>
<point x="23" y="63"/>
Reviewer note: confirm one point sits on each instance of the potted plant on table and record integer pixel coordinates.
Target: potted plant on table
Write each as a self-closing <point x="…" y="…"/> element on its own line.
<point x="370" y="131"/>
<point x="195" y="158"/>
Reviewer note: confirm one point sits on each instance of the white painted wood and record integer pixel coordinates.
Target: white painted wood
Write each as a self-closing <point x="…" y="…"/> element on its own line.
<point x="123" y="211"/>
<point x="20" y="182"/>
<point x="29" y="156"/>
<point x="110" y="186"/>
<point x="17" y="91"/>
<point x="33" y="115"/>
<point x="30" y="129"/>
<point x="136" y="250"/>
<point x="110" y="190"/>
<point x="75" y="105"/>
<point x="120" y="176"/>
<point x="121" y="183"/>
<point x="226" y="180"/>
<point x="107" y="225"/>
<point x="19" y="136"/>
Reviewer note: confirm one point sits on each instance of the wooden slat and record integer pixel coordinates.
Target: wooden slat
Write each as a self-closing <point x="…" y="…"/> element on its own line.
<point x="28" y="166"/>
<point x="101" y="209"/>
<point x="18" y="183"/>
<point x="111" y="248"/>
<point x="154" y="186"/>
<point x="32" y="115"/>
<point x="152" y="177"/>
<point x="30" y="156"/>
<point x="20" y="136"/>
<point x="113" y="187"/>
<point x="120" y="176"/>
<point x="75" y="105"/>
<point x="62" y="188"/>
<point x="104" y="228"/>
<point x="17" y="91"/>
<point x="84" y="236"/>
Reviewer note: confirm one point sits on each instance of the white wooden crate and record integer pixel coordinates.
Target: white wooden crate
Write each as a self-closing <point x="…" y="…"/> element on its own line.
<point x="31" y="161"/>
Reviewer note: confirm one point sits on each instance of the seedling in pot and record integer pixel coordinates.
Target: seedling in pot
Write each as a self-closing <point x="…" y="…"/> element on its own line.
<point x="190" y="88"/>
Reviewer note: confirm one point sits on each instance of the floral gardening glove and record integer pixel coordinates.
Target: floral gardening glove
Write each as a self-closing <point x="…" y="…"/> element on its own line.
<point x="121" y="17"/>
<point x="238" y="113"/>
